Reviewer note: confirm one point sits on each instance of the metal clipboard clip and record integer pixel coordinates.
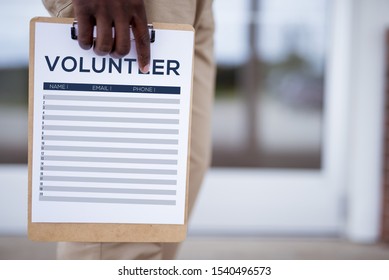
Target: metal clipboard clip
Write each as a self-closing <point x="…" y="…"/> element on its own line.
<point x="74" y="32"/>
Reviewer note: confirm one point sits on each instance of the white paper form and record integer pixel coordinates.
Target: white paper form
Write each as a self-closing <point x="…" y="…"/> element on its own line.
<point x="110" y="145"/>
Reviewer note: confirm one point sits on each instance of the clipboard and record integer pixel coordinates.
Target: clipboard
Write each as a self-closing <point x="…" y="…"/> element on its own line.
<point x="49" y="195"/>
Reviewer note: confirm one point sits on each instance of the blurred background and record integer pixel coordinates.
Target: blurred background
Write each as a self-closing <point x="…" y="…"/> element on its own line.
<point x="298" y="171"/>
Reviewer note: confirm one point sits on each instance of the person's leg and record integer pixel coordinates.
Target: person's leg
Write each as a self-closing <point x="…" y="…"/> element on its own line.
<point x="199" y="14"/>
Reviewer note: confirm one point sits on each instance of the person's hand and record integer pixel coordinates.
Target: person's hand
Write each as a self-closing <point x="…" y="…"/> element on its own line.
<point x="119" y="14"/>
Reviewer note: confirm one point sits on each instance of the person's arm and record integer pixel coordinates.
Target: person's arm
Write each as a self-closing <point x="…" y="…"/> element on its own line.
<point x="119" y="14"/>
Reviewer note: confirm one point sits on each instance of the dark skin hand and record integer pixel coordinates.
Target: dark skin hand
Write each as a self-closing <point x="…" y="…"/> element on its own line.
<point x="119" y="14"/>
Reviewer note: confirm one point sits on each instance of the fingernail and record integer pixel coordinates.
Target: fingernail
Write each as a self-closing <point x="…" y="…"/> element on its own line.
<point x="145" y="69"/>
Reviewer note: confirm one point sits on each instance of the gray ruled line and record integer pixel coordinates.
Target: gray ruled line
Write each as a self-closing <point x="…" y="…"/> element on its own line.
<point x="110" y="170"/>
<point x="109" y="129"/>
<point x="109" y="119"/>
<point x="108" y="190"/>
<point x="110" y="180"/>
<point x="111" y="139"/>
<point x="111" y="109"/>
<point x="108" y="200"/>
<point x="110" y="160"/>
<point x="110" y="150"/>
<point x="112" y="99"/>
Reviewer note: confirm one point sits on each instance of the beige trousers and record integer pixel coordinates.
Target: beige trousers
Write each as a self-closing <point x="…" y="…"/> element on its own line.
<point x="199" y="14"/>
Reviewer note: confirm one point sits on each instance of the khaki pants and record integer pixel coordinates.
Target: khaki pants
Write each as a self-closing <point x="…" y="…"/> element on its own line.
<point x="199" y="14"/>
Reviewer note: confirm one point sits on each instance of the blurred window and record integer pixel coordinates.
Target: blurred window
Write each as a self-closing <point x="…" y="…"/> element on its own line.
<point x="270" y="83"/>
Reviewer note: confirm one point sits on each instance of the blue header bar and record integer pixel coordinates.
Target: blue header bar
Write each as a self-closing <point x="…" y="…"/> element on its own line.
<point x="111" y="88"/>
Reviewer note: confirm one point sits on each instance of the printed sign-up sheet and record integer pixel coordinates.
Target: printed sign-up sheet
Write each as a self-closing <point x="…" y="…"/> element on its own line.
<point x="110" y="144"/>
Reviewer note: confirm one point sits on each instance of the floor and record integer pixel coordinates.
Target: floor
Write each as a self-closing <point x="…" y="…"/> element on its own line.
<point x="17" y="248"/>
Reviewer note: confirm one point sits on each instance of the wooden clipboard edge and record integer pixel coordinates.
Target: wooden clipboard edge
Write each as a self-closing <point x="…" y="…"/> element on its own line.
<point x="69" y="232"/>
<point x="95" y="232"/>
<point x="172" y="26"/>
<point x="30" y="117"/>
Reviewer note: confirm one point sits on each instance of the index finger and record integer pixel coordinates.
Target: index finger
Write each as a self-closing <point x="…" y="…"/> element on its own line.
<point x="142" y="42"/>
